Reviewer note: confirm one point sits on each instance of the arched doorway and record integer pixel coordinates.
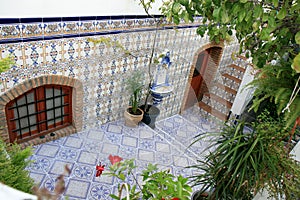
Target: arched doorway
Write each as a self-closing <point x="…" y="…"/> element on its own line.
<point x="201" y="77"/>
<point x="199" y="71"/>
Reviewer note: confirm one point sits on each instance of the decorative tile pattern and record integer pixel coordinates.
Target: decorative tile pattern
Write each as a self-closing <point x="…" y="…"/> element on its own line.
<point x="87" y="158"/>
<point x="101" y="69"/>
<point x="10" y="31"/>
<point x="67" y="154"/>
<point x="37" y="177"/>
<point x="40" y="164"/>
<point x="146" y="155"/>
<point x="77" y="189"/>
<point x="163" y="146"/>
<point x="58" y="167"/>
<point x="110" y="148"/>
<point x="100" y="191"/>
<point x="48" y="150"/>
<point x="73" y="142"/>
<point x="129" y="141"/>
<point x="83" y="172"/>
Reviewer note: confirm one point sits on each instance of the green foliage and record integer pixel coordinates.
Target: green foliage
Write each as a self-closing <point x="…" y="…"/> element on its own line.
<point x="134" y="86"/>
<point x="268" y="29"/>
<point x="244" y="162"/>
<point x="6" y="63"/>
<point x="13" y="161"/>
<point x="277" y="83"/>
<point x="156" y="184"/>
<point x="163" y="185"/>
<point x="296" y="63"/>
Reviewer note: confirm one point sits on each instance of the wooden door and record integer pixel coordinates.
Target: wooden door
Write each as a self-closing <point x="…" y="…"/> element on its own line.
<point x="194" y="94"/>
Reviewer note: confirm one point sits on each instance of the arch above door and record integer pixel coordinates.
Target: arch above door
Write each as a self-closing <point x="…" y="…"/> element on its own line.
<point x="202" y="73"/>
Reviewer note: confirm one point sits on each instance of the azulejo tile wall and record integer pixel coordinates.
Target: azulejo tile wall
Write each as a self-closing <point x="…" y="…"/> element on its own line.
<point x="60" y="46"/>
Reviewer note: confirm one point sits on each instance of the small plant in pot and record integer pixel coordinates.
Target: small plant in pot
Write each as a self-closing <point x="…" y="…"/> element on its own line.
<point x="151" y="111"/>
<point x="133" y="114"/>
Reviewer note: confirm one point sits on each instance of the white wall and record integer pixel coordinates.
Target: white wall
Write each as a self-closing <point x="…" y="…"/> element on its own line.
<point x="70" y="8"/>
<point x="244" y="94"/>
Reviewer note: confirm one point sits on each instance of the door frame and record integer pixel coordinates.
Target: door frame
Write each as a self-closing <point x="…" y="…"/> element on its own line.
<point x="204" y="63"/>
<point x="192" y="69"/>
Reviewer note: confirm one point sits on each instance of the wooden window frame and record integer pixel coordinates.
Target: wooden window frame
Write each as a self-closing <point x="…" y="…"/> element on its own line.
<point x="42" y="125"/>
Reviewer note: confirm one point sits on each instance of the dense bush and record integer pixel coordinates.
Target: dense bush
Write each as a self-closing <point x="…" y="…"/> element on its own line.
<point x="13" y="161"/>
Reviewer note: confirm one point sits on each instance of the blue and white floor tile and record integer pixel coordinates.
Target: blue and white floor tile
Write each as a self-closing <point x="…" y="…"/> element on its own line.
<point x="167" y="146"/>
<point x="205" y="121"/>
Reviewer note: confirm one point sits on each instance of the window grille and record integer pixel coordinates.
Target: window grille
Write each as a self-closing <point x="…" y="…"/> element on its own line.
<point x="39" y="111"/>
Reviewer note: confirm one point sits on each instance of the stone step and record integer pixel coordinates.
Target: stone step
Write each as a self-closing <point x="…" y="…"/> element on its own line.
<point x="237" y="68"/>
<point x="219" y="99"/>
<point x="228" y="76"/>
<point x="226" y="88"/>
<point x="212" y="111"/>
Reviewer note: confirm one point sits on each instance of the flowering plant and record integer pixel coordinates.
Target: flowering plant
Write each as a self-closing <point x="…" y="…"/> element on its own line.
<point x="154" y="184"/>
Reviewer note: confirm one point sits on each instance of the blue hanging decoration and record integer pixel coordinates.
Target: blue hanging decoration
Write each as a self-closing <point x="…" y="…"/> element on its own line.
<point x="161" y="87"/>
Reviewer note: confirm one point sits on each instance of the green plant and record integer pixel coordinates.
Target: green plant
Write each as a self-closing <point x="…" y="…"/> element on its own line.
<point x="6" y="63"/>
<point x="153" y="61"/>
<point x="242" y="163"/>
<point x="268" y="32"/>
<point x="156" y="184"/>
<point x="266" y="29"/>
<point x="135" y="85"/>
<point x="13" y="162"/>
<point x="276" y="82"/>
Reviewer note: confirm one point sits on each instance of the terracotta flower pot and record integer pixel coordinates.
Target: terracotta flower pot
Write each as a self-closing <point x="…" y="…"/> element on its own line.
<point x="132" y="120"/>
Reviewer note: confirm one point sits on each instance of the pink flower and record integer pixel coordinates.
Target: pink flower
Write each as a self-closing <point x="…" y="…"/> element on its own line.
<point x="114" y="159"/>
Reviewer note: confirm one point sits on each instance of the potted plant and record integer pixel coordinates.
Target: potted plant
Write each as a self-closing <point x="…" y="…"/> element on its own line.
<point x="135" y="86"/>
<point x="243" y="163"/>
<point x="151" y="111"/>
<point x="154" y="184"/>
<point x="133" y="114"/>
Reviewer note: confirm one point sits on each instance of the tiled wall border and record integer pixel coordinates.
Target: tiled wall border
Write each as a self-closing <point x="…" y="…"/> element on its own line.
<point x="25" y="86"/>
<point x="32" y="29"/>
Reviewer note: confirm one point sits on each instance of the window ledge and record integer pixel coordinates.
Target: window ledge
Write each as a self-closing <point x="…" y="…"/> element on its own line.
<point x="58" y="134"/>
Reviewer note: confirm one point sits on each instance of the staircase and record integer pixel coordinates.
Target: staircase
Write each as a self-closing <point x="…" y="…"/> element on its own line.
<point x="219" y="100"/>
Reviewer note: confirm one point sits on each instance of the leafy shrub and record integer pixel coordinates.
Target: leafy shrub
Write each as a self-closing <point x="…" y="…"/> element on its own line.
<point x="13" y="161"/>
<point x="243" y="162"/>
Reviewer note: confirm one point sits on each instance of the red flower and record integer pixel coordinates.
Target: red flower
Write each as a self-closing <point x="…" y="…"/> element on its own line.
<point x="175" y="198"/>
<point x="100" y="169"/>
<point x="114" y="159"/>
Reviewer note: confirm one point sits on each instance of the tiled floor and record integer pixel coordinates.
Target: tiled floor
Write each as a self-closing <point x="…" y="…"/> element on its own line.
<point x="166" y="146"/>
